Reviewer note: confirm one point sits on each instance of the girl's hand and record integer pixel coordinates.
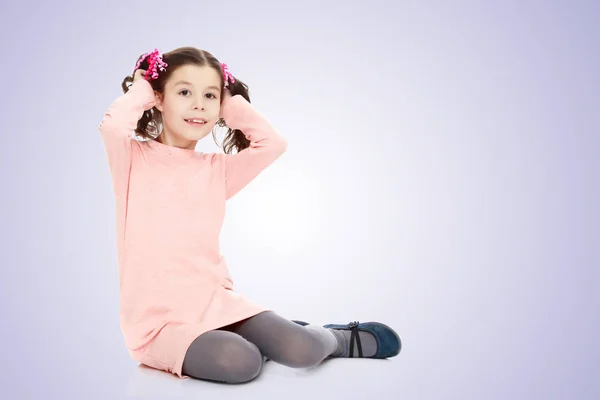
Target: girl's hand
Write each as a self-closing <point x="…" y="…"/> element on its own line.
<point x="226" y="97"/>
<point x="139" y="74"/>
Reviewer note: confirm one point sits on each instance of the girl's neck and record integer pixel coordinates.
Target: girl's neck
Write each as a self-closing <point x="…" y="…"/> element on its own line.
<point x="168" y="140"/>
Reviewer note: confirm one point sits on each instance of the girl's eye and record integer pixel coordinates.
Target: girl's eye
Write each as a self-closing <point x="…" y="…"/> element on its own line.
<point x="185" y="92"/>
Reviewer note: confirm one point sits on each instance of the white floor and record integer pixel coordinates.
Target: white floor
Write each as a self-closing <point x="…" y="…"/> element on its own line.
<point x="338" y="378"/>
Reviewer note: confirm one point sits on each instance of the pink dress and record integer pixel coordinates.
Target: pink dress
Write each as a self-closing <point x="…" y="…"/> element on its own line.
<point x="170" y="206"/>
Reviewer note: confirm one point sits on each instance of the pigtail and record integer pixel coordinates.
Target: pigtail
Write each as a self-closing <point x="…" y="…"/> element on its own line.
<point x="235" y="138"/>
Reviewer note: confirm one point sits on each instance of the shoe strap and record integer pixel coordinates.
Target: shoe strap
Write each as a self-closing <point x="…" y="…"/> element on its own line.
<point x="353" y="326"/>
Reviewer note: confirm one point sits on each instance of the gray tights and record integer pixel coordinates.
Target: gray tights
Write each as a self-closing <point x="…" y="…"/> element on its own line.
<point x="235" y="353"/>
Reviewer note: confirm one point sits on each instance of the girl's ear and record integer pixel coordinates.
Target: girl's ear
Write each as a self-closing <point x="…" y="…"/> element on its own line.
<point x="158" y="101"/>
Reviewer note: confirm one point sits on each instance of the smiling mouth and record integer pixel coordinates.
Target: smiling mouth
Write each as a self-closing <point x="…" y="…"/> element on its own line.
<point x="195" y="121"/>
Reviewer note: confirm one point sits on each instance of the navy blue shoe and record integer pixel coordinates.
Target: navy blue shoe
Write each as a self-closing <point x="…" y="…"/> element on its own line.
<point x="388" y="341"/>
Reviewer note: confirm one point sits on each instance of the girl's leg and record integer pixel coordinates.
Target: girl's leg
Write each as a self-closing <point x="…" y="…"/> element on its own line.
<point x="286" y="342"/>
<point x="224" y="357"/>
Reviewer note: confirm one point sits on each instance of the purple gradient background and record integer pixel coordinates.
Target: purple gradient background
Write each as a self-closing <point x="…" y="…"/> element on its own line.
<point x="442" y="177"/>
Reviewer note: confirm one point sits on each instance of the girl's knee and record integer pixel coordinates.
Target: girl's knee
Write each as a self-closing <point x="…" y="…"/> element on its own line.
<point x="224" y="357"/>
<point x="240" y="362"/>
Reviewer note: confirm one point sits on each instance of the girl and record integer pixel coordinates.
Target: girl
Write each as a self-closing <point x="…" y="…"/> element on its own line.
<point x="179" y="311"/>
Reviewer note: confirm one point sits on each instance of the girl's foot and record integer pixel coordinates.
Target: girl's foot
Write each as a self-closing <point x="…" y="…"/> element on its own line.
<point x="365" y="340"/>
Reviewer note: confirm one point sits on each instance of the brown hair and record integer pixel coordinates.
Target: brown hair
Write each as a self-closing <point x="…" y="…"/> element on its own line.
<point x="147" y="126"/>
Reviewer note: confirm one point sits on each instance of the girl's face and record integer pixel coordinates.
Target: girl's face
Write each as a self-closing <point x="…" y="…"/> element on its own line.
<point x="192" y="94"/>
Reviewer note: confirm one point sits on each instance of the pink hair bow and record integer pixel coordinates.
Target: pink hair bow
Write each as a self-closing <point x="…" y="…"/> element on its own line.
<point x="155" y="63"/>
<point x="227" y="75"/>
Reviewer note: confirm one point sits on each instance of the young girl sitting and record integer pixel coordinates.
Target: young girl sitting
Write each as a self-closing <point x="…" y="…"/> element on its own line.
<point x="179" y="311"/>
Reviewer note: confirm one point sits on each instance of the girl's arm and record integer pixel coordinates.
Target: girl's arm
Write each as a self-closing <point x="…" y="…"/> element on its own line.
<point x="117" y="127"/>
<point x="266" y="145"/>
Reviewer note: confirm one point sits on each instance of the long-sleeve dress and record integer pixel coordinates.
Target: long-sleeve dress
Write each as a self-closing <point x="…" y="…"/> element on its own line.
<point x="170" y="207"/>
